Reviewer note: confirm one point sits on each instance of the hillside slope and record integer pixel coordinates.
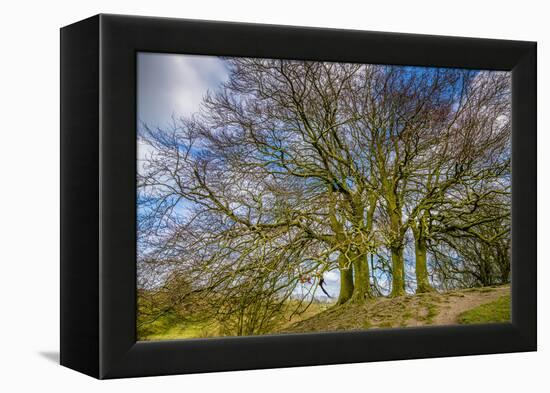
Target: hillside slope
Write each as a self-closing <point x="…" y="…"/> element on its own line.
<point x="413" y="310"/>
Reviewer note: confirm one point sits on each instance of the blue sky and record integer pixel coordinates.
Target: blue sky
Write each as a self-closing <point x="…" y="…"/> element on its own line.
<point x="173" y="85"/>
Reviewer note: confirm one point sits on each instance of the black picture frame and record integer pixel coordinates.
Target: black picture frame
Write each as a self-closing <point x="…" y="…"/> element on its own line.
<point x="98" y="196"/>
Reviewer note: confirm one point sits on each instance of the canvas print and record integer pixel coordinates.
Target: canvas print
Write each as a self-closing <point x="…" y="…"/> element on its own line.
<point x="281" y="196"/>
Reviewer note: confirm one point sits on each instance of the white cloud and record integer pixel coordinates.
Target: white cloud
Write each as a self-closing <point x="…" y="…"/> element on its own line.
<point x="174" y="84"/>
<point x="144" y="152"/>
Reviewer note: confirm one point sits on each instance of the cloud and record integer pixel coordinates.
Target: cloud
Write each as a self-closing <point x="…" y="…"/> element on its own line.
<point x="174" y="84"/>
<point x="144" y="153"/>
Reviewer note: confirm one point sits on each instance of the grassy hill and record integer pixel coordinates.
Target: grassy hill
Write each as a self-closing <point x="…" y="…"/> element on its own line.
<point x="476" y="305"/>
<point x="170" y="326"/>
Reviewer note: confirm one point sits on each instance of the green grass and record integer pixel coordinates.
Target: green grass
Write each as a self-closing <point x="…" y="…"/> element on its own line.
<point x="412" y="310"/>
<point x="184" y="330"/>
<point x="432" y="312"/>
<point x="172" y="327"/>
<point x="496" y="311"/>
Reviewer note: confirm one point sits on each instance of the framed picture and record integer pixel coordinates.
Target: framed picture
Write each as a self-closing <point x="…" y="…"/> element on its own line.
<point x="239" y="196"/>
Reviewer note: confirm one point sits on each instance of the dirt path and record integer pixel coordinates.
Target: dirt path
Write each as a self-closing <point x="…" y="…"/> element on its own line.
<point x="458" y="302"/>
<point x="412" y="310"/>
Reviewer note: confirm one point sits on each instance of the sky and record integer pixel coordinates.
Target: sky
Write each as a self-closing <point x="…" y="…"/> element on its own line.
<point x="173" y="85"/>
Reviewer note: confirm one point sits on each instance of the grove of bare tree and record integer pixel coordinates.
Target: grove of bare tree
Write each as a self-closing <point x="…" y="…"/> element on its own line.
<point x="398" y="178"/>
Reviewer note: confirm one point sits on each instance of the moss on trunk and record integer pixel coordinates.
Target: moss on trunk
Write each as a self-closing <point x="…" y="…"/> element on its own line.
<point x="362" y="289"/>
<point x="398" y="272"/>
<point x="346" y="280"/>
<point x="422" y="281"/>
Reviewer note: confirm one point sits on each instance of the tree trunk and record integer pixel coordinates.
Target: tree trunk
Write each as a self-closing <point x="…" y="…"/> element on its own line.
<point x="346" y="280"/>
<point x="504" y="265"/>
<point x="420" y="251"/>
<point x="396" y="247"/>
<point x="398" y="272"/>
<point x="362" y="289"/>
